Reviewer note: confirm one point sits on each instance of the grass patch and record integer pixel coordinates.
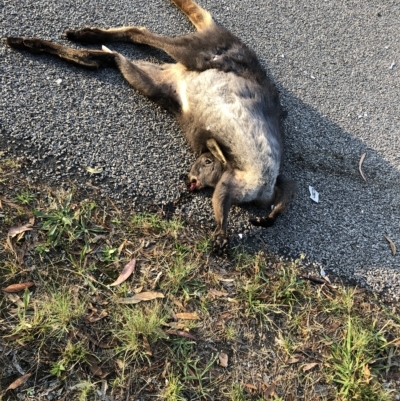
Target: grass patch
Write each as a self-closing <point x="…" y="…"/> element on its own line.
<point x="287" y="337"/>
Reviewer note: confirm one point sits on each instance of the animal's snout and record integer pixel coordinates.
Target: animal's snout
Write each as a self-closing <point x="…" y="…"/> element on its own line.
<point x="194" y="183"/>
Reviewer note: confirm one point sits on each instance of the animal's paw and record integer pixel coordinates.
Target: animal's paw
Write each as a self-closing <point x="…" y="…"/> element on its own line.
<point x="32" y="44"/>
<point x="85" y="35"/>
<point x="262" y="221"/>
<point x="220" y="244"/>
<point x="17" y="43"/>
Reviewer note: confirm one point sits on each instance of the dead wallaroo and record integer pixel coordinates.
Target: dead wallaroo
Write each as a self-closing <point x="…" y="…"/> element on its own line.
<point x="228" y="108"/>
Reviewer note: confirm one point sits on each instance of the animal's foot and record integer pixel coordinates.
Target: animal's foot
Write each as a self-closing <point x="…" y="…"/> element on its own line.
<point x="17" y="43"/>
<point x="220" y="244"/>
<point x="86" y="35"/>
<point x="262" y="221"/>
<point x="33" y="45"/>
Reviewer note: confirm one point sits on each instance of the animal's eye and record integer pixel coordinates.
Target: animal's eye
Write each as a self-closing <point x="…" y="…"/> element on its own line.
<point x="208" y="161"/>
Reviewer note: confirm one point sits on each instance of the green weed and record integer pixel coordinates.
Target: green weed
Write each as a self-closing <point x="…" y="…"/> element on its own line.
<point x="25" y="197"/>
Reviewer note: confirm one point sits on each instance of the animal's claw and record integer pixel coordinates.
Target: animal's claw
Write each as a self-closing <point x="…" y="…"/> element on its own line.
<point x="262" y="221"/>
<point x="220" y="244"/>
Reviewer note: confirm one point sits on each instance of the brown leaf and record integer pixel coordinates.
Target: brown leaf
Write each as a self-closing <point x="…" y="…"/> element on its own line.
<point x="360" y="166"/>
<point x="21" y="253"/>
<point x="176" y="302"/>
<point x="392" y="245"/>
<point x="128" y="270"/>
<point x="121" y="247"/>
<point x="147" y="348"/>
<point x="18" y="287"/>
<point x="251" y="386"/>
<point x="15" y="230"/>
<point x="226" y="316"/>
<point x="10" y="245"/>
<point x="295" y="359"/>
<point x="176" y="325"/>
<point x="181" y="333"/>
<point x="143" y="296"/>
<point x="19" y="382"/>
<point x="216" y="293"/>
<point x="95" y="317"/>
<point x="11" y="204"/>
<point x="138" y="290"/>
<point x="187" y="316"/>
<point x="94" y="366"/>
<point x="308" y="366"/>
<point x="223" y="359"/>
<point x="270" y="391"/>
<point x="15" y="299"/>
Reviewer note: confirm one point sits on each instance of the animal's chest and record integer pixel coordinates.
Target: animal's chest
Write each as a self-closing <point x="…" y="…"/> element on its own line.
<point x="228" y="107"/>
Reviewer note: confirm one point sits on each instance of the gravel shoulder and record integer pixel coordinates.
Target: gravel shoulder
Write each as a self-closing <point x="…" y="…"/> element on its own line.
<point x="337" y="68"/>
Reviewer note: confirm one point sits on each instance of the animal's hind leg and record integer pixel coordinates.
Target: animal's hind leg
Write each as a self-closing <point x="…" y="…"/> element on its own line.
<point x="199" y="17"/>
<point x="194" y="51"/>
<point x="85" y="58"/>
<point x="157" y="82"/>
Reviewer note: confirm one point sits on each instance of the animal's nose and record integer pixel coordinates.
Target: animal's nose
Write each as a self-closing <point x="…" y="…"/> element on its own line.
<point x="193" y="183"/>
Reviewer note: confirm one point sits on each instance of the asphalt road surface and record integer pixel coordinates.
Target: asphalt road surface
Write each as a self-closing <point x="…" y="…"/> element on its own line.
<point x="336" y="65"/>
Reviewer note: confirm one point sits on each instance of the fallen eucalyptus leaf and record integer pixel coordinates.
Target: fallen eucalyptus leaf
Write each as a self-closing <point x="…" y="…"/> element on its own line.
<point x="216" y="293"/>
<point x="392" y="245"/>
<point x="95" y="368"/>
<point x="143" y="296"/>
<point x="18" y="287"/>
<point x="15" y="230"/>
<point x="187" y="316"/>
<point x="96" y="317"/>
<point x="360" y="166"/>
<point x="308" y="366"/>
<point x="19" y="382"/>
<point x="126" y="272"/>
<point x="146" y="346"/>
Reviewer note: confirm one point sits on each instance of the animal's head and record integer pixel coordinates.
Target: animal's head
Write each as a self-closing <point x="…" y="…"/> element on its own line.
<point x="208" y="168"/>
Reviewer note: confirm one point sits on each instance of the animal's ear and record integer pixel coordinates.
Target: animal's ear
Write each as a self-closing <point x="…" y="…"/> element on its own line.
<point x="215" y="150"/>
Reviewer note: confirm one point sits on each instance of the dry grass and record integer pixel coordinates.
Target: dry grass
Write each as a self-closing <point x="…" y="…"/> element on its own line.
<point x="287" y="336"/>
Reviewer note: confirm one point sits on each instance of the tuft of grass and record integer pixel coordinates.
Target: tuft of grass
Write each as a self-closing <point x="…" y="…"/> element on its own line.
<point x="179" y="275"/>
<point x="131" y="325"/>
<point x="351" y="362"/>
<point x="152" y="223"/>
<point x="109" y="254"/>
<point x="72" y="354"/>
<point x="173" y="389"/>
<point x="65" y="221"/>
<point x="25" y="197"/>
<point x="197" y="374"/>
<point x="204" y="245"/>
<point x="49" y="317"/>
<point x="84" y="390"/>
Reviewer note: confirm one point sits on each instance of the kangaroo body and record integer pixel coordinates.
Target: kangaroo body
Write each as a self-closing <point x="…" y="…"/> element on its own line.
<point x="227" y="107"/>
